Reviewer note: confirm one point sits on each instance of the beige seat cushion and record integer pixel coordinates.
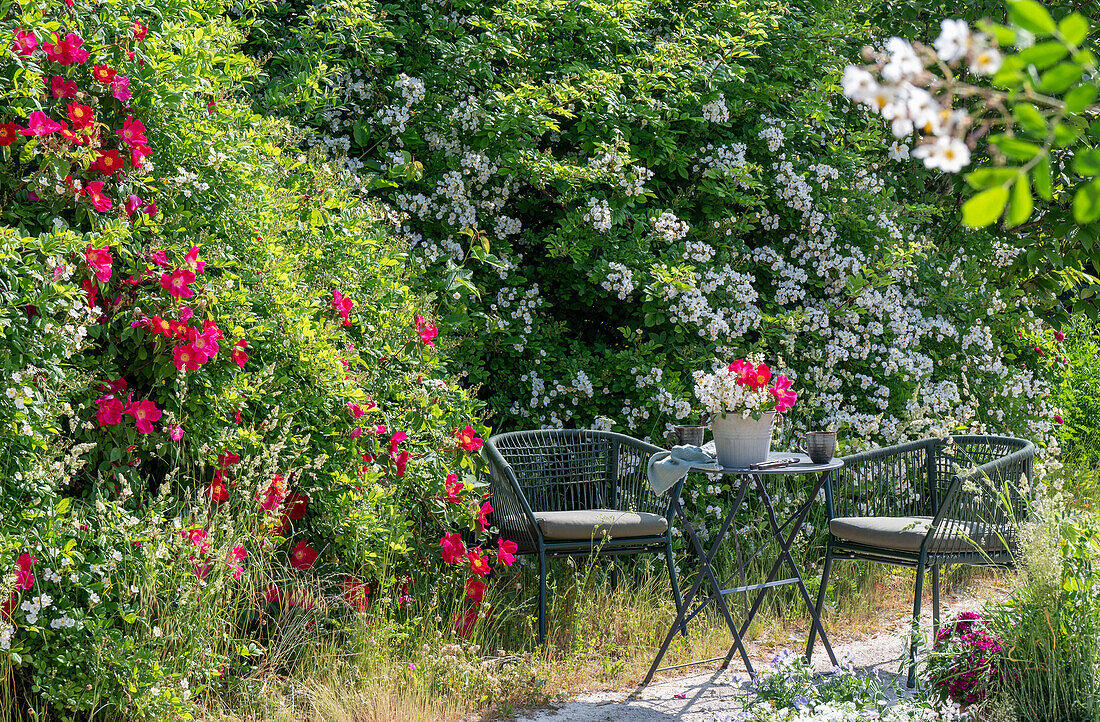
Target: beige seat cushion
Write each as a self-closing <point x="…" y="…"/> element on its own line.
<point x="907" y="533"/>
<point x="594" y="523"/>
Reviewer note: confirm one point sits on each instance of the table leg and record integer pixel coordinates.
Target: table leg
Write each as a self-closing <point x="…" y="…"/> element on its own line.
<point x="705" y="560"/>
<point x="785" y="555"/>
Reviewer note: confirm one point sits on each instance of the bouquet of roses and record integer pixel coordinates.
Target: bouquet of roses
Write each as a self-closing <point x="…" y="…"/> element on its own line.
<point x="743" y="388"/>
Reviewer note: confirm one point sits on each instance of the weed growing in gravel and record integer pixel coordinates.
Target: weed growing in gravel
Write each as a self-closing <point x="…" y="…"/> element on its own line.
<point x="789" y="690"/>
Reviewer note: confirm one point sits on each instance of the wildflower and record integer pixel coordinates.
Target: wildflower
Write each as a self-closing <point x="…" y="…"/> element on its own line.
<point x="205" y="342"/>
<point x="898" y="151"/>
<point x="760" y="377"/>
<point x="178" y="283"/>
<point x="8" y="134"/>
<point x="1059" y="336"/>
<point x="239" y="356"/>
<point x="137" y="155"/>
<point x="144" y="413"/>
<point x="954" y="40"/>
<point x="400" y="462"/>
<point x="139" y="30"/>
<point x="467" y="439"/>
<point x="1058" y="419"/>
<point x="120" y="88"/>
<point x="296" y="506"/>
<point x="356" y="593"/>
<point x="133" y="202"/>
<point x="100" y="261"/>
<point x="475" y="590"/>
<point x="24" y="579"/>
<point x="193" y="262"/>
<point x="903" y="61"/>
<point x="133" y="132"/>
<point x="454" y="488"/>
<point x="103" y="73"/>
<point x="187" y="357"/>
<point x="81" y="116"/>
<point x="201" y="570"/>
<point x="109" y="411"/>
<point x="217" y="492"/>
<point x="478" y="564"/>
<point x="464" y="624"/>
<point x="272" y="593"/>
<point x="25" y="42"/>
<point x="91" y="290"/>
<point x="396" y="439"/>
<point x="356" y="412"/>
<point x="39" y="124"/>
<point x="273" y="495"/>
<point x="303" y="556"/>
<point x="426" y="331"/>
<point x="506" y="551"/>
<point x="199" y="538"/>
<point x="986" y="61"/>
<point x="228" y="459"/>
<point x="453" y="548"/>
<point x="947" y="153"/>
<point x="482" y="517"/>
<point x="94" y="191"/>
<point x="784" y="396"/>
<point x="61" y="88"/>
<point x="236" y="554"/>
<point x="343" y="305"/>
<point x="67" y="51"/>
<point x="108" y="162"/>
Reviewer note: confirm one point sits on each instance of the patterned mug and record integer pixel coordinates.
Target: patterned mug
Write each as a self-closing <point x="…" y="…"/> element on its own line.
<point x="819" y="446"/>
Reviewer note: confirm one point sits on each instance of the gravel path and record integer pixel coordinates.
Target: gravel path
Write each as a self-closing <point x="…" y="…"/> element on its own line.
<point x="699" y="697"/>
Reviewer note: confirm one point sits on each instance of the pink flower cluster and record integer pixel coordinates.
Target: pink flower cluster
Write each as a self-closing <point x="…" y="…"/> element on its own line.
<point x="110" y="409"/>
<point x="974" y="674"/>
<point x="86" y="129"/>
<point x="757" y="378"/>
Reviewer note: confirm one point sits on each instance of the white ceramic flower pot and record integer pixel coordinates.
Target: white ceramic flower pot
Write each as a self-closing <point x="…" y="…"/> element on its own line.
<point x="740" y="441"/>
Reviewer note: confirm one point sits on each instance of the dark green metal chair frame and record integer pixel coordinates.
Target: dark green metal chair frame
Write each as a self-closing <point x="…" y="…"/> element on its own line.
<point x="574" y="470"/>
<point x="959" y="482"/>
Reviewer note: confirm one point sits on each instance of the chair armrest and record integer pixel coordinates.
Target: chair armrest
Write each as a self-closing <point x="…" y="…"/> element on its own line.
<point x="512" y="513"/>
<point x="891" y="481"/>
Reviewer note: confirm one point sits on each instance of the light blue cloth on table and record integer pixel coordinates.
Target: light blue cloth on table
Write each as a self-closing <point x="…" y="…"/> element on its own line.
<point x="668" y="467"/>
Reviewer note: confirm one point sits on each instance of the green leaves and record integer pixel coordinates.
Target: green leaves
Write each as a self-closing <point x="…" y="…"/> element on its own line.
<point x="1031" y="16"/>
<point x="1080" y="98"/>
<point x="1030" y="119"/>
<point x="1087" y="163"/>
<point x="1086" y="202"/>
<point x="985" y="208"/>
<point x="1074" y="28"/>
<point x="1059" y="78"/>
<point x="1020" y="205"/>
<point x="1015" y="148"/>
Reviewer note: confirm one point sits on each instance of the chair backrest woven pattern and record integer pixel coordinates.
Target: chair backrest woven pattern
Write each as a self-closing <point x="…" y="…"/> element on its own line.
<point x="886" y="482"/>
<point x="559" y="471"/>
<point x="568" y="470"/>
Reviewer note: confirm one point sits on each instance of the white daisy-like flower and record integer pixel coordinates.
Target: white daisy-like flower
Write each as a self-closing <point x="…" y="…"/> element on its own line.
<point x="986" y="61"/>
<point x="954" y="40"/>
<point x="947" y="153"/>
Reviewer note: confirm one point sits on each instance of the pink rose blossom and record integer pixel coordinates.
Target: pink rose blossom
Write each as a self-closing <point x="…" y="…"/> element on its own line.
<point x="25" y="42"/>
